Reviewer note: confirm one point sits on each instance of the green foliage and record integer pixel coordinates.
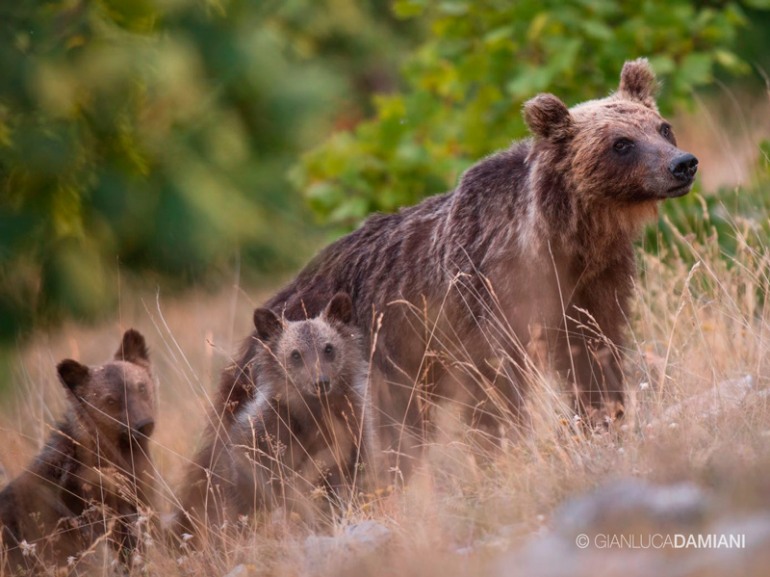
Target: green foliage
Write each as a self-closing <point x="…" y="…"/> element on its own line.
<point x="467" y="82"/>
<point x="153" y="137"/>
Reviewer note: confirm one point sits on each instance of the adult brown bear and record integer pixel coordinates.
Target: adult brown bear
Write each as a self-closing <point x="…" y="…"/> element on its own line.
<point x="533" y="247"/>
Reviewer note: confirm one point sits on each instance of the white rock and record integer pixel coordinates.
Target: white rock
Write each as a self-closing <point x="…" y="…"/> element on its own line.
<point x="238" y="571"/>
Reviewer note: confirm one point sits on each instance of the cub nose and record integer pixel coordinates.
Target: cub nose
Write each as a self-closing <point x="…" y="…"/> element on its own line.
<point x="145" y="427"/>
<point x="323" y="384"/>
<point x="684" y="167"/>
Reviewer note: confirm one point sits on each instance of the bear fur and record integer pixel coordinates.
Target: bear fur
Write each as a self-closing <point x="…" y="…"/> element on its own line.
<point x="94" y="472"/>
<point x="532" y="251"/>
<point x="307" y="433"/>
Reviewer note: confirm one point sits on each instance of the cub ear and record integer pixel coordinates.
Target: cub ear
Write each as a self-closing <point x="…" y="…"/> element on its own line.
<point x="548" y="117"/>
<point x="73" y="375"/>
<point x="133" y="348"/>
<point x="638" y="82"/>
<point x="340" y="309"/>
<point x="267" y="323"/>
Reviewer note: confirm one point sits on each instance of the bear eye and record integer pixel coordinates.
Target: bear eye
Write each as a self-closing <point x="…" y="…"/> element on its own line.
<point x="623" y="145"/>
<point x="295" y="356"/>
<point x="329" y="350"/>
<point x="110" y="400"/>
<point x="665" y="131"/>
<point x="142" y="388"/>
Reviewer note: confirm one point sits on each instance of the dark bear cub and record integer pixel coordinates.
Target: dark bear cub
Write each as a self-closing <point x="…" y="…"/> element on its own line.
<point x="308" y="427"/>
<point x="301" y="443"/>
<point x="94" y="473"/>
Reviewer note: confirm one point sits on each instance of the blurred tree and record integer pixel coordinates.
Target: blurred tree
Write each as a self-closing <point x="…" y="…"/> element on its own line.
<point x="754" y="44"/>
<point x="466" y="83"/>
<point x="153" y="136"/>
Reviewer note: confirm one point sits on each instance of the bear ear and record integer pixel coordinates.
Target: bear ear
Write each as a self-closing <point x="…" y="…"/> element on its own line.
<point x="548" y="117"/>
<point x="638" y="82"/>
<point x="73" y="375"/>
<point x="267" y="324"/>
<point x="133" y="348"/>
<point x="340" y="309"/>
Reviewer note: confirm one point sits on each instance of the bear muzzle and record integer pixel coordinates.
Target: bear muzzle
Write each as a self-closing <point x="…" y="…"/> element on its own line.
<point x="143" y="428"/>
<point x="683" y="169"/>
<point x="323" y="385"/>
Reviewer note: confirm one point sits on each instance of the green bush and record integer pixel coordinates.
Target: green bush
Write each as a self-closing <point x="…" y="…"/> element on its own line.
<point x="152" y="138"/>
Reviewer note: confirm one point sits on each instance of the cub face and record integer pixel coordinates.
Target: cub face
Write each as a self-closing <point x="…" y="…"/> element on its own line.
<point x="313" y="355"/>
<point x="118" y="397"/>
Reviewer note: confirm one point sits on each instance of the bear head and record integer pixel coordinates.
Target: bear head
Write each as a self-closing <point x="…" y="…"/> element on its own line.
<point x="318" y="356"/>
<point x="115" y="400"/>
<point x="616" y="149"/>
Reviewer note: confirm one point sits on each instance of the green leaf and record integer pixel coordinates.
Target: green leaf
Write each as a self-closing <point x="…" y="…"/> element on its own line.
<point x="453" y="7"/>
<point x="409" y="8"/>
<point x="731" y="61"/>
<point x="757" y="4"/>
<point x="695" y="69"/>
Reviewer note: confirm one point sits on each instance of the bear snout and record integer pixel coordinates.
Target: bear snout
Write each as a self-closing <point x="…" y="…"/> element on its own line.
<point x="323" y="384"/>
<point x="144" y="427"/>
<point x="684" y="167"/>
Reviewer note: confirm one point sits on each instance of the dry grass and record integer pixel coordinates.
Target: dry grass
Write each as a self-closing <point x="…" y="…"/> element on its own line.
<point x="723" y="133"/>
<point x="695" y="327"/>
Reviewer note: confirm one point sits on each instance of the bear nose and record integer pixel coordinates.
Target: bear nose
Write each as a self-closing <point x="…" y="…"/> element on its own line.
<point x="145" y="427"/>
<point x="684" y="167"/>
<point x="323" y="384"/>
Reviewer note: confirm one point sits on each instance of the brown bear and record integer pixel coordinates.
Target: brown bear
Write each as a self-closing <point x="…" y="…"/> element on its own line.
<point x="306" y="433"/>
<point x="95" y="471"/>
<point x="534" y="244"/>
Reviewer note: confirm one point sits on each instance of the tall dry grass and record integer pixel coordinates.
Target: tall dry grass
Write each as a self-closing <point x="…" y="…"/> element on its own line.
<point x="701" y="320"/>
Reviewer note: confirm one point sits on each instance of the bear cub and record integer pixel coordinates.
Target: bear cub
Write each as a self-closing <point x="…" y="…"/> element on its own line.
<point x="94" y="473"/>
<point x="308" y="430"/>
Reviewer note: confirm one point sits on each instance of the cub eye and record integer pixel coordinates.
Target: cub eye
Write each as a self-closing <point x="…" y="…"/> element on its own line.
<point x="623" y="145"/>
<point x="295" y="356"/>
<point x="329" y="350"/>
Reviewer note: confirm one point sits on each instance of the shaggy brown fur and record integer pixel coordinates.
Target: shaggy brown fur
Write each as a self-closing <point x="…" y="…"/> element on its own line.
<point x="307" y="429"/>
<point x="95" y="470"/>
<point x="538" y="236"/>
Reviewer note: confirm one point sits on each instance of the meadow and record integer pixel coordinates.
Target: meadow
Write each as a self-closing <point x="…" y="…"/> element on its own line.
<point x="698" y="411"/>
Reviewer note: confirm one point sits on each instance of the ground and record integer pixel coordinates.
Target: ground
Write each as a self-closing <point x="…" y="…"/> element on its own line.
<point x="698" y="376"/>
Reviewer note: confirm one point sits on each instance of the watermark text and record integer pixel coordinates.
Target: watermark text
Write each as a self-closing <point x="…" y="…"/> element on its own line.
<point x="662" y="541"/>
